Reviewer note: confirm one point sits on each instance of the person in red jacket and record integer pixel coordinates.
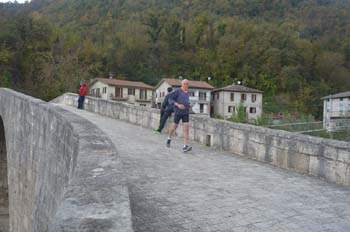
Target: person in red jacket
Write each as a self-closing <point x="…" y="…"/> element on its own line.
<point x="82" y="94"/>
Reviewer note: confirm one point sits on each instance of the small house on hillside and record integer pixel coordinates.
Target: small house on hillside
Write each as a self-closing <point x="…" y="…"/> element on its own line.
<point x="132" y="92"/>
<point x="336" y="111"/>
<point x="226" y="101"/>
<point x="199" y="94"/>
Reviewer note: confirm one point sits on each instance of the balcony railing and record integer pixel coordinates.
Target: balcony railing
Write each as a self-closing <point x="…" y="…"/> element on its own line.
<point x="143" y="100"/>
<point x="196" y="98"/>
<point x="114" y="98"/>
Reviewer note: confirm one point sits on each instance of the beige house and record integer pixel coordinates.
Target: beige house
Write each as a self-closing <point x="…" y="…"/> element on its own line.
<point x="132" y="92"/>
<point x="226" y="101"/>
<point x="336" y="111"/>
<point x="199" y="94"/>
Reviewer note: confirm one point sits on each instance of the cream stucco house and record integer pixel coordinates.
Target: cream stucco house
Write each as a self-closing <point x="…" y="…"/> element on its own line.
<point x="199" y="94"/>
<point x="226" y="101"/>
<point x="132" y="92"/>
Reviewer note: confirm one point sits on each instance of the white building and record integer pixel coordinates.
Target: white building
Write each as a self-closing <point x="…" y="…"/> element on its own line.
<point x="132" y="92"/>
<point x="336" y="111"/>
<point x="199" y="94"/>
<point x="226" y="101"/>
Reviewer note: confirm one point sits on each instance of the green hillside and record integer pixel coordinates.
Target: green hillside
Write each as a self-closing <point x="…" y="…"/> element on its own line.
<point x="296" y="51"/>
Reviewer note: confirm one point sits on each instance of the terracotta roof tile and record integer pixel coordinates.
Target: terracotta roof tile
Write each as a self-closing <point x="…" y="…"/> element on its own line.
<point x="115" y="82"/>
<point x="238" y="88"/>
<point x="192" y="84"/>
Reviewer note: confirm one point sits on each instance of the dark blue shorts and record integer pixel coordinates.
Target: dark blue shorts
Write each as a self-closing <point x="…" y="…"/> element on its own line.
<point x="183" y="117"/>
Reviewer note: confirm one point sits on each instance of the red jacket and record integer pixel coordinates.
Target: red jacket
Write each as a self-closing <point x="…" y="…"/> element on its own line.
<point x="82" y="90"/>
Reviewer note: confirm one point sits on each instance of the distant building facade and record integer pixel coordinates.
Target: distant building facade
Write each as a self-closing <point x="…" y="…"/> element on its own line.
<point x="336" y="111"/>
<point x="132" y="92"/>
<point x="226" y="101"/>
<point x="200" y="92"/>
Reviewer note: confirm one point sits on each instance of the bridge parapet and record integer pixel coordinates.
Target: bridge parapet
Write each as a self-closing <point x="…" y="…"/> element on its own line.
<point x="64" y="174"/>
<point x="324" y="158"/>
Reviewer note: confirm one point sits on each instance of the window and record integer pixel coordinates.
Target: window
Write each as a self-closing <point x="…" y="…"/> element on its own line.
<point x="348" y="107"/>
<point x="92" y="92"/>
<point x="131" y="91"/>
<point x="341" y="107"/>
<point x="143" y="94"/>
<point x="217" y="96"/>
<point x="201" y="108"/>
<point x="163" y="94"/>
<point x="253" y="97"/>
<point x="118" y="92"/>
<point x="144" y="105"/>
<point x="191" y="93"/>
<point x="252" y="110"/>
<point x="213" y="96"/>
<point x="231" y="109"/>
<point x="98" y="92"/>
<point x="104" y="90"/>
<point x="243" y="97"/>
<point x="202" y="96"/>
<point x="232" y="97"/>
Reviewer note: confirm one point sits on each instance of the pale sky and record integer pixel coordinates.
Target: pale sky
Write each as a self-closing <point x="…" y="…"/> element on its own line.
<point x="19" y="1"/>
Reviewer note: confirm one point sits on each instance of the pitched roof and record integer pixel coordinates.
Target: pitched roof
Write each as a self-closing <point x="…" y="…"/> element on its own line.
<point x="192" y="84"/>
<point x="238" y="88"/>
<point x="338" y="95"/>
<point x="115" y="82"/>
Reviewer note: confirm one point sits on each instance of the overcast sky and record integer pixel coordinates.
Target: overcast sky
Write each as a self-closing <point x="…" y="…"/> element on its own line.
<point x="19" y="1"/>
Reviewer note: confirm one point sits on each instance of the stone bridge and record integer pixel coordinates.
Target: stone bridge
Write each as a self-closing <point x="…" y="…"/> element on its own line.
<point x="102" y="169"/>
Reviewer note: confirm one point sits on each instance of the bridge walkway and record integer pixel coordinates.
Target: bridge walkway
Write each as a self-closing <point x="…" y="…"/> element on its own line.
<point x="210" y="190"/>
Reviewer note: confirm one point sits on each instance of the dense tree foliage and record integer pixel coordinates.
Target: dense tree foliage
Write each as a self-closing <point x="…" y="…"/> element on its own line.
<point x="296" y="51"/>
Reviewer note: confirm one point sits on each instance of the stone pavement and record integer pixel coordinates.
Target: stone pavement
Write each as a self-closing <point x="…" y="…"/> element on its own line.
<point x="210" y="190"/>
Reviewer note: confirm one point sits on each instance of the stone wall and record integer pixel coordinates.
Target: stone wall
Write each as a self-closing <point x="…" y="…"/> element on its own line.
<point x="64" y="174"/>
<point x="328" y="159"/>
<point x="4" y="214"/>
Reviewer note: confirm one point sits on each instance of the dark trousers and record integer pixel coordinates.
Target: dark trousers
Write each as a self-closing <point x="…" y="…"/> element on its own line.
<point x="81" y="102"/>
<point x="164" y="115"/>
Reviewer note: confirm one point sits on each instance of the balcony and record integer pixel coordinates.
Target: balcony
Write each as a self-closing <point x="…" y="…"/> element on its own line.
<point x="201" y="98"/>
<point x="142" y="99"/>
<point x="114" y="98"/>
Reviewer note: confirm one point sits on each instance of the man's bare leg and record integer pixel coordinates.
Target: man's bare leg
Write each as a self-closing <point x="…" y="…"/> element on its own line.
<point x="171" y="132"/>
<point x="186" y="127"/>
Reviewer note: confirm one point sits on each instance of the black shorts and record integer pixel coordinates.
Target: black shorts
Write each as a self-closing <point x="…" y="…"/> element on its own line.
<point x="183" y="117"/>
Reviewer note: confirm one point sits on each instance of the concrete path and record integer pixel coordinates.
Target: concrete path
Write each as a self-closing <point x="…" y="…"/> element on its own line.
<point x="210" y="190"/>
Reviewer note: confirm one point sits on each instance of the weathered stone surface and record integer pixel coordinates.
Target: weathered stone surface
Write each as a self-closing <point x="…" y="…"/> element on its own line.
<point x="52" y="153"/>
<point x="280" y="148"/>
<point x="330" y="152"/>
<point x="299" y="162"/>
<point x="4" y="202"/>
<point x="314" y="166"/>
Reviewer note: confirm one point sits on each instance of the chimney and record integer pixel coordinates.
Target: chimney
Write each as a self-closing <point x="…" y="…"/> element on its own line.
<point x="111" y="75"/>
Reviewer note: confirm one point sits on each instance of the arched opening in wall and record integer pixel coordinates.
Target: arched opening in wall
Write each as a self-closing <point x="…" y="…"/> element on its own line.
<point x="4" y="202"/>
